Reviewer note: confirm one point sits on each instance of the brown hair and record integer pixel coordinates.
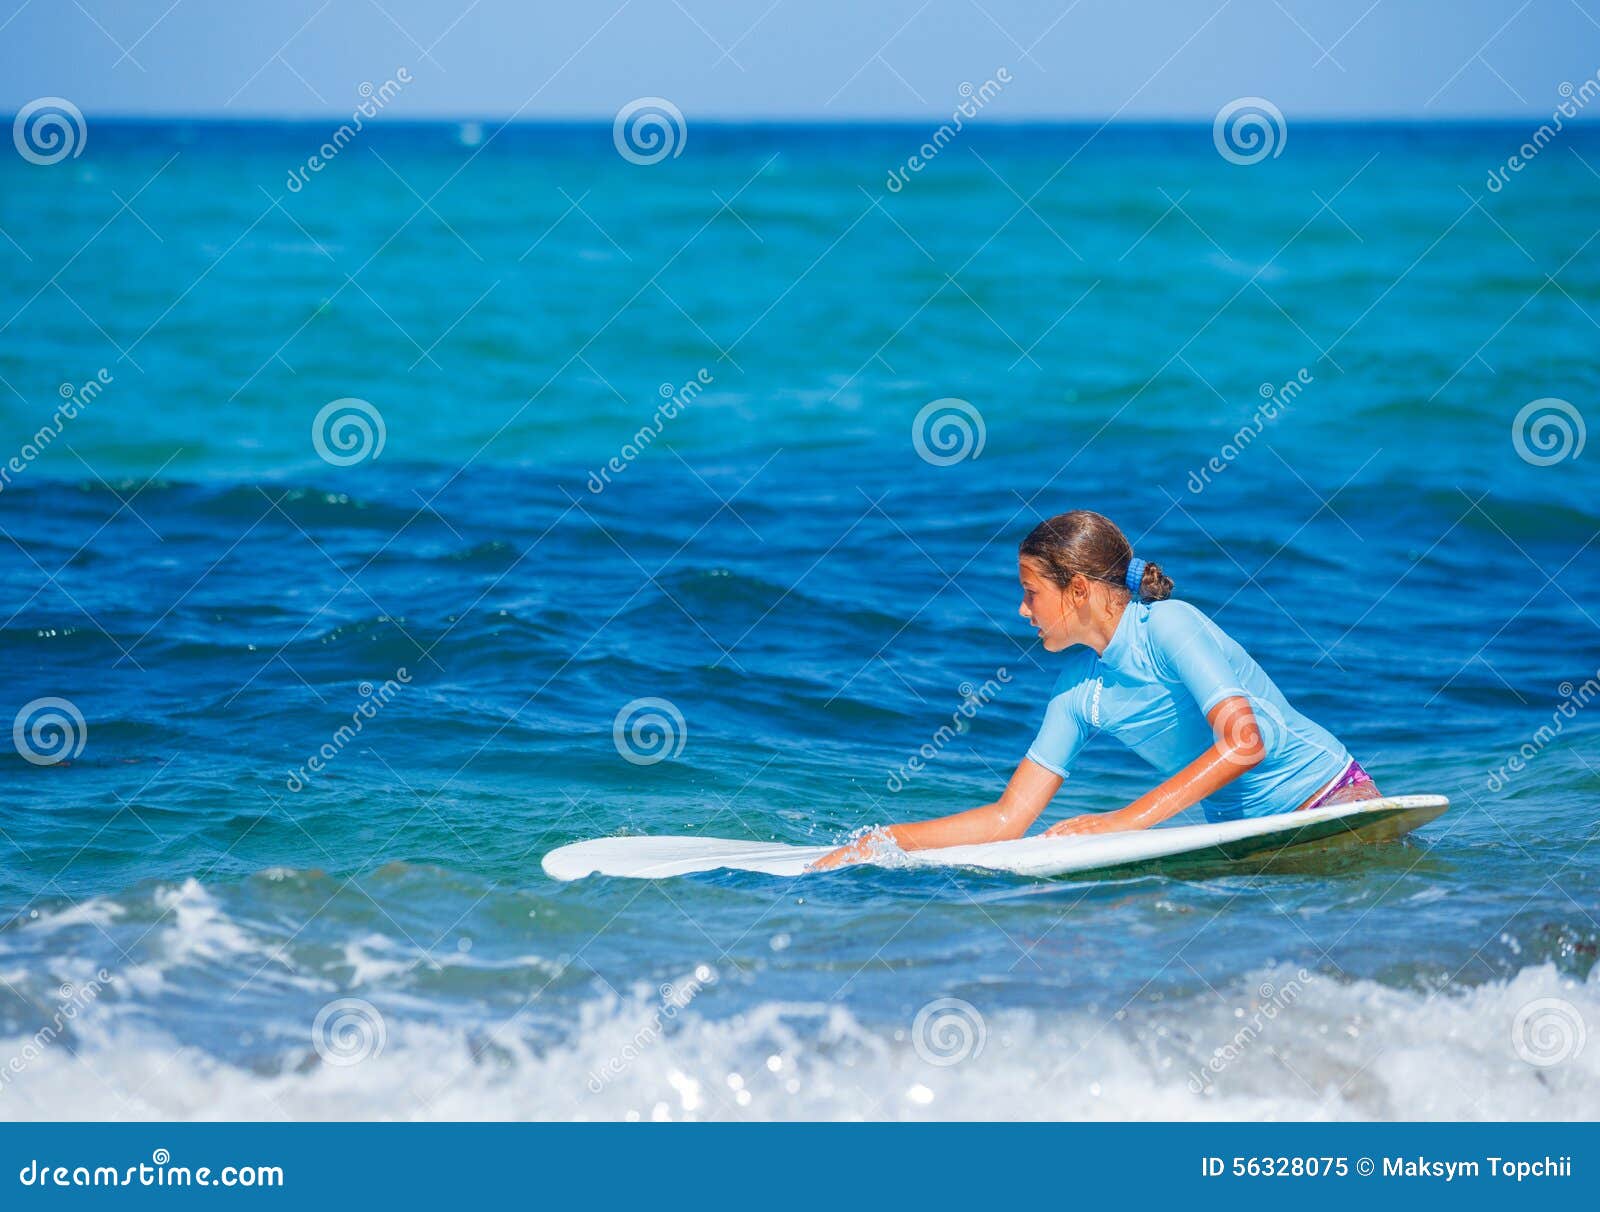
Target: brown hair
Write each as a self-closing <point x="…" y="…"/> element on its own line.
<point x="1089" y="544"/>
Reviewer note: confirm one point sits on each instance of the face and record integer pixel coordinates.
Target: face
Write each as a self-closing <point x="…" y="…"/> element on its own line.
<point x="1046" y="606"/>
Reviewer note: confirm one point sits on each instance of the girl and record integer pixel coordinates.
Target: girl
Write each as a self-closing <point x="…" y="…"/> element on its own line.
<point x="1161" y="678"/>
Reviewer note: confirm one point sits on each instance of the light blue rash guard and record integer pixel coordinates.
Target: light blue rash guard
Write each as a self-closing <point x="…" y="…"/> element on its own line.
<point x="1166" y="666"/>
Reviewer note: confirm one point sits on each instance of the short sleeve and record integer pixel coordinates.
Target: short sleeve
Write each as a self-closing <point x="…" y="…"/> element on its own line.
<point x="1188" y="647"/>
<point x="1060" y="737"/>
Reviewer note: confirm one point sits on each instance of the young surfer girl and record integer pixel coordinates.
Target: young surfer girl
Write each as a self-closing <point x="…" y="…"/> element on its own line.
<point x="1160" y="677"/>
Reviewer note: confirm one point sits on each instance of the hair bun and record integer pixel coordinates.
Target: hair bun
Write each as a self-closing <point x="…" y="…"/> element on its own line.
<point x="1155" y="585"/>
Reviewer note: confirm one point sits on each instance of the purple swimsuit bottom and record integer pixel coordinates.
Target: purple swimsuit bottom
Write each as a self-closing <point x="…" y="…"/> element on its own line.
<point x="1354" y="784"/>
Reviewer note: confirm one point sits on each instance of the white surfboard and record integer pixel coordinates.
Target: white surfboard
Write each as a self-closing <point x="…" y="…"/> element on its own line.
<point x="1340" y="824"/>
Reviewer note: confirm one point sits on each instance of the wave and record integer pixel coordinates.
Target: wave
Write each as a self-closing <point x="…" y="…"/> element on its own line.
<point x="1509" y="1049"/>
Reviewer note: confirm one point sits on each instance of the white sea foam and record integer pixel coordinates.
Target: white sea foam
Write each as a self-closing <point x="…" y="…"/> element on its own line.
<point x="376" y="958"/>
<point x="1338" y="1051"/>
<point x="97" y="911"/>
<point x="201" y="928"/>
<point x="366" y="958"/>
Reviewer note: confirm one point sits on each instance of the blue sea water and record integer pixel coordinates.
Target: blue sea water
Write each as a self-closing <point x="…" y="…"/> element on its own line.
<point x="656" y="449"/>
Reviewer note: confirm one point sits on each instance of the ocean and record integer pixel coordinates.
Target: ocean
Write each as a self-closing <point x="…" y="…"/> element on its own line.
<point x="372" y="529"/>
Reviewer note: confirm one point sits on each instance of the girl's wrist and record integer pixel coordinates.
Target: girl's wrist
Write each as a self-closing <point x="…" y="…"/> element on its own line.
<point x="1142" y="818"/>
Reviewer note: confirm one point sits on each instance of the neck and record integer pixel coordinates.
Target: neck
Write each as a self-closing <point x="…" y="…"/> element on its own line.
<point x="1103" y="627"/>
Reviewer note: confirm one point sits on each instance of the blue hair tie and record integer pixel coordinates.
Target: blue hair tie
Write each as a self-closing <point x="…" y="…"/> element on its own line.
<point x="1135" y="576"/>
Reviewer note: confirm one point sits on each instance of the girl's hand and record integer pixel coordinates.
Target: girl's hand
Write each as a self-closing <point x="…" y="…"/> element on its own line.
<point x="858" y="851"/>
<point x="1100" y="822"/>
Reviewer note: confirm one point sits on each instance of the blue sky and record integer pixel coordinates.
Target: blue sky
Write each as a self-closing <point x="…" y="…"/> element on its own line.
<point x="1133" y="59"/>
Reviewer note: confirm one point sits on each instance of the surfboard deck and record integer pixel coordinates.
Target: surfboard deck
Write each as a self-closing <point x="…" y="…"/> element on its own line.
<point x="1363" y="822"/>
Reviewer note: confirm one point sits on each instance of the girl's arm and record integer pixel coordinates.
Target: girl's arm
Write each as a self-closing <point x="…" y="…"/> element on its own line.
<point x="1237" y="748"/>
<point x="1008" y="817"/>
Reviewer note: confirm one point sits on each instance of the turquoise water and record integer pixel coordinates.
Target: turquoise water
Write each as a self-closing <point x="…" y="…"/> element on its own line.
<point x="811" y="585"/>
